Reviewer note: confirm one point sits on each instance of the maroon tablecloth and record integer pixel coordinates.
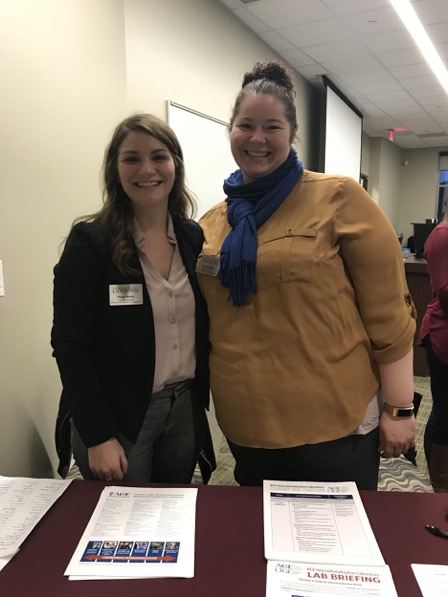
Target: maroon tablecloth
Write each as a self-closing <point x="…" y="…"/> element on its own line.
<point x="229" y="560"/>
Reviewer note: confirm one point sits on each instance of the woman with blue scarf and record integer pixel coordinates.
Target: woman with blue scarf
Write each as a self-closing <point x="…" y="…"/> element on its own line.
<point x="311" y="321"/>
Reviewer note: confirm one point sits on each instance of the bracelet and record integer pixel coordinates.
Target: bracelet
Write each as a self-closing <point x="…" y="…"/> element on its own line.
<point x="399" y="411"/>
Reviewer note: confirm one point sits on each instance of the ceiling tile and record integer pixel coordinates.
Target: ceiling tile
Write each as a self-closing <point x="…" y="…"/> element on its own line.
<point x="387" y="103"/>
<point x="389" y="42"/>
<point x="276" y="41"/>
<point x="438" y="33"/>
<point x="442" y="50"/>
<point x="382" y="87"/>
<point x="400" y="57"/>
<point x="411" y="70"/>
<point x="416" y="84"/>
<point x="431" y="11"/>
<point x="342" y="7"/>
<point x="362" y="46"/>
<point x="409" y="142"/>
<point x="354" y="66"/>
<point x="285" y="13"/>
<point x="398" y="94"/>
<point x="367" y="78"/>
<point x="315" y="33"/>
<point x="250" y="20"/>
<point x="366" y="22"/>
<point x="437" y="141"/>
<point x="297" y="58"/>
<point x="430" y="92"/>
<point x="385" y="122"/>
<point x="313" y="70"/>
<point x="336" y="51"/>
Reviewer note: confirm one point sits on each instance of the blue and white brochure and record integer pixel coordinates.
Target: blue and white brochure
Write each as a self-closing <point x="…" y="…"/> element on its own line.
<point x="138" y="532"/>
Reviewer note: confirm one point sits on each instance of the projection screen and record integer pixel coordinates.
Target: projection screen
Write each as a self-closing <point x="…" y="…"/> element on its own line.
<point x="343" y="135"/>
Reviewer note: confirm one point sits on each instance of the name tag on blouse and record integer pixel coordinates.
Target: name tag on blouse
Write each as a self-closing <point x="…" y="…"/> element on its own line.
<point x="125" y="294"/>
<point x="208" y="264"/>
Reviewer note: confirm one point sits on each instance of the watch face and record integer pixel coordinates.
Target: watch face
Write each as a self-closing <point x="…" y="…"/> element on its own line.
<point x="396" y="411"/>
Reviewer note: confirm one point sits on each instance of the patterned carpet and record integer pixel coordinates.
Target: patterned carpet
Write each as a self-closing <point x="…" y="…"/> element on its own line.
<point x="396" y="474"/>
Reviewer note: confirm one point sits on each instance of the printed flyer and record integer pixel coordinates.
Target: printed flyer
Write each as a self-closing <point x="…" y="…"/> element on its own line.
<point x="138" y="532"/>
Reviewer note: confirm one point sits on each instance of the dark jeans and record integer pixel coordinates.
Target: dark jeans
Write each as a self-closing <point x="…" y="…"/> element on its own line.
<point x="351" y="458"/>
<point x="436" y="431"/>
<point x="168" y="444"/>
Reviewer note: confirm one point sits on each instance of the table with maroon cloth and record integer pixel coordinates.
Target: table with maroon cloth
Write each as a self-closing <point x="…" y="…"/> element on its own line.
<point x="229" y="556"/>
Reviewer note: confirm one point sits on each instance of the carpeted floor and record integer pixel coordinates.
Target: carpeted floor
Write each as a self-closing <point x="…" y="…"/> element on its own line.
<point x="396" y="474"/>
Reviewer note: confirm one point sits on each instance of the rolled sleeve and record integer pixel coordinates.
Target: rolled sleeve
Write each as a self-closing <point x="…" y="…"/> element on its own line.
<point x="372" y="255"/>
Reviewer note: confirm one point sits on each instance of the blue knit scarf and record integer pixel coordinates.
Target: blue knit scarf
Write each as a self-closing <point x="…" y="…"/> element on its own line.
<point x="249" y="206"/>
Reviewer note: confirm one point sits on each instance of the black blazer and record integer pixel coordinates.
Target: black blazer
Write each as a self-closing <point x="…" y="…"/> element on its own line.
<point x="106" y="355"/>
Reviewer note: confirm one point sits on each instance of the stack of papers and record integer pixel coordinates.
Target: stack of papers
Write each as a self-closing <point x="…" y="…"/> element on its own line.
<point x="23" y="502"/>
<point x="318" y="542"/>
<point x="432" y="579"/>
<point x="138" y="532"/>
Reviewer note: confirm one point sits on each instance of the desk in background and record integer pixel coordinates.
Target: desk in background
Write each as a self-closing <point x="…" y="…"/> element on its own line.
<point x="229" y="559"/>
<point x="417" y="277"/>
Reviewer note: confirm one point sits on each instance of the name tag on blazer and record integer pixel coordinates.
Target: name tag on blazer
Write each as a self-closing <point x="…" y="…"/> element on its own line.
<point x="125" y="294"/>
<point x="208" y="264"/>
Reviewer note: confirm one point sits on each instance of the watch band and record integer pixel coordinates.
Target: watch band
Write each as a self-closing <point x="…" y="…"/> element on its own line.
<point x="399" y="411"/>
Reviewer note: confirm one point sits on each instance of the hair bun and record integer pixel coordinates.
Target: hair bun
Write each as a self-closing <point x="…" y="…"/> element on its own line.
<point x="272" y="71"/>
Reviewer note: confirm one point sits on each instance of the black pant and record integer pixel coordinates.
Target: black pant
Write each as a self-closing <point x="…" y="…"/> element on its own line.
<point x="436" y="431"/>
<point x="168" y="444"/>
<point x="351" y="458"/>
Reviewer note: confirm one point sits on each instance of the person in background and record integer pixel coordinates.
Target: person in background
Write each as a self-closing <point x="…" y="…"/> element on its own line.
<point x="434" y="337"/>
<point x="309" y="310"/>
<point x="130" y="328"/>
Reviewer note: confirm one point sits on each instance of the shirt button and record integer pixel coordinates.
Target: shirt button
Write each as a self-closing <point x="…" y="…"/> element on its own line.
<point x="170" y="293"/>
<point x="174" y="346"/>
<point x="173" y="319"/>
<point x="174" y="373"/>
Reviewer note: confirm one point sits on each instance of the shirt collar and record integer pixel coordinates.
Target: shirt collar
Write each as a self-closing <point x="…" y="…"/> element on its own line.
<point x="139" y="237"/>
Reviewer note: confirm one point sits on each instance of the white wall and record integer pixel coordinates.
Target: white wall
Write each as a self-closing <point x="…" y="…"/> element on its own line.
<point x="365" y="154"/>
<point x="389" y="185"/>
<point x="406" y="193"/>
<point x="63" y="86"/>
<point x="70" y="70"/>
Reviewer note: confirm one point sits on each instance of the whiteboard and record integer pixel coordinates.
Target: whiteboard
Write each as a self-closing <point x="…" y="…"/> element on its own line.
<point x="207" y="156"/>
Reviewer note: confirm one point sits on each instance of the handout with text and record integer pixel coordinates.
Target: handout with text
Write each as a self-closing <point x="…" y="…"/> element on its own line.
<point x="318" y="542"/>
<point x="138" y="532"/>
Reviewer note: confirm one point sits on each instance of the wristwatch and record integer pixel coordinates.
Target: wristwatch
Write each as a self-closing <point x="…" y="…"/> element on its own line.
<point x="399" y="411"/>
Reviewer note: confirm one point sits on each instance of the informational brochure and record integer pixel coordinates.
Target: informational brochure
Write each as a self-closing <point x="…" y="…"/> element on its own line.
<point x="314" y="580"/>
<point x="317" y="522"/>
<point x="319" y="543"/>
<point x="138" y="532"/>
<point x="23" y="502"/>
<point x="432" y="579"/>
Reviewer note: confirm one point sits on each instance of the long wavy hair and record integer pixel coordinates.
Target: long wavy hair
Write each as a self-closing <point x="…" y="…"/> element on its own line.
<point x="116" y="215"/>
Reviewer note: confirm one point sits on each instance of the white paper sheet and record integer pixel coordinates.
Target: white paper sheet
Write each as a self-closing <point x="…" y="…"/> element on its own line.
<point x="23" y="502"/>
<point x="5" y="560"/>
<point x="138" y="532"/>
<point x="315" y="580"/>
<point x="432" y="579"/>
<point x="317" y="522"/>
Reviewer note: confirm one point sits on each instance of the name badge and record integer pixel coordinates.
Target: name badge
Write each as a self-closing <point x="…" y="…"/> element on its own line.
<point x="208" y="264"/>
<point x="125" y="294"/>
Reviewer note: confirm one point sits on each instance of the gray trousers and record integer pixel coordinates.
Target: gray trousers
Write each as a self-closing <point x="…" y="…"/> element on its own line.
<point x="168" y="443"/>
